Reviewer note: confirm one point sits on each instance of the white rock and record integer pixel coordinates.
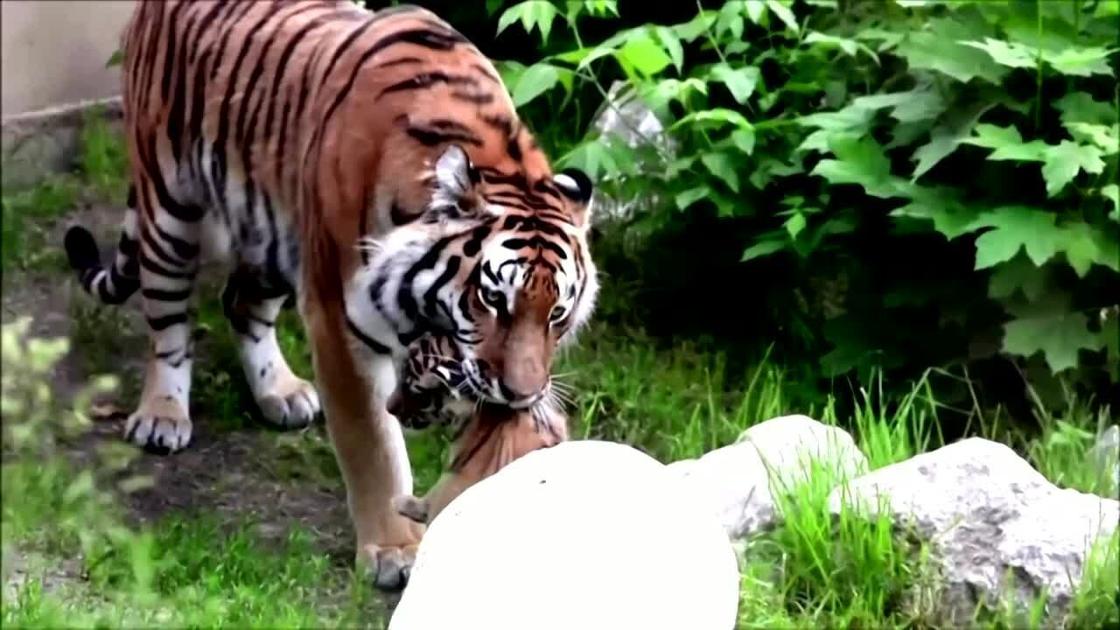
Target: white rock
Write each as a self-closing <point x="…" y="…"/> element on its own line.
<point x="741" y="482"/>
<point x="996" y="525"/>
<point x="585" y="535"/>
<point x="1106" y="457"/>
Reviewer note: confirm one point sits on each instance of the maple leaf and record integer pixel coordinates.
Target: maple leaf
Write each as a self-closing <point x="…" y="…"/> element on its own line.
<point x="1058" y="336"/>
<point x="1064" y="161"/>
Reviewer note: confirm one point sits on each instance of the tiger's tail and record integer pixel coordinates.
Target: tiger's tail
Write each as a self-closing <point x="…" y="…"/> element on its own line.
<point x="117" y="283"/>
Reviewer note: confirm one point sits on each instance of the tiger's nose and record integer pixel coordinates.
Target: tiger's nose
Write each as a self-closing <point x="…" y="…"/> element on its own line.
<point x="519" y="399"/>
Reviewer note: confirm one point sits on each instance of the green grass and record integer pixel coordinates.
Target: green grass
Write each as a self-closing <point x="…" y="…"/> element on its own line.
<point x="815" y="570"/>
<point x="28" y="214"/>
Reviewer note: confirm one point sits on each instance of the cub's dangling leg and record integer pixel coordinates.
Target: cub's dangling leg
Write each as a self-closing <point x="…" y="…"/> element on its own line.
<point x="283" y="398"/>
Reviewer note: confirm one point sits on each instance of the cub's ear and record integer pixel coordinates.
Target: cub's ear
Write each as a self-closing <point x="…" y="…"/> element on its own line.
<point x="576" y="186"/>
<point x="455" y="176"/>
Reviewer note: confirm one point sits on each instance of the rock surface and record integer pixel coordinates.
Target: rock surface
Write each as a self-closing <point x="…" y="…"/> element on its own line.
<point x="999" y="530"/>
<point x="741" y="482"/>
<point x="585" y="535"/>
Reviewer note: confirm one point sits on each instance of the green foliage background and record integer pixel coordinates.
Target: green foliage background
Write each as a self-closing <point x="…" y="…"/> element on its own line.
<point x="851" y="185"/>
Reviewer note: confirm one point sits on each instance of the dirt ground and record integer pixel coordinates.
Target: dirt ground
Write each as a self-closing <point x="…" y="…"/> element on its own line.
<point x="224" y="472"/>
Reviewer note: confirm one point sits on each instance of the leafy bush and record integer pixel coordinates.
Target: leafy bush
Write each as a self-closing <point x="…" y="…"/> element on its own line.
<point x="902" y="184"/>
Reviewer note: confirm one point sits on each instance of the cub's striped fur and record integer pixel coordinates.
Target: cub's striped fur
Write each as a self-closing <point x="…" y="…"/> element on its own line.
<point x="280" y="136"/>
<point x="485" y="437"/>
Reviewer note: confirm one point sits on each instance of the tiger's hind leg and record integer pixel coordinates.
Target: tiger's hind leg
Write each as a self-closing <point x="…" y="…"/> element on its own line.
<point x="283" y="398"/>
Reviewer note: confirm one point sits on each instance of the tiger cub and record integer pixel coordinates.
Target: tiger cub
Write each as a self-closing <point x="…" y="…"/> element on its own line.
<point x="485" y="437"/>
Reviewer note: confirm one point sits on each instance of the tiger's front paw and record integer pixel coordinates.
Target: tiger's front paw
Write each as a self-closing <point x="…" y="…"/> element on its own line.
<point x="290" y="403"/>
<point x="160" y="424"/>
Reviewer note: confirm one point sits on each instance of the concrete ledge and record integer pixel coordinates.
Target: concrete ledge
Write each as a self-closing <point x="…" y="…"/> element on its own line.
<point x="36" y="144"/>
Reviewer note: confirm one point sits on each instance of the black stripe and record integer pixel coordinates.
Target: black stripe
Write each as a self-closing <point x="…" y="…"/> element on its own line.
<point x="183" y="249"/>
<point x="150" y="61"/>
<point x="536" y="242"/>
<point x="432" y="137"/>
<point x="452" y="268"/>
<point x="230" y="22"/>
<point x="342" y="48"/>
<point x="166" y="295"/>
<point x="399" y="61"/>
<point x="478" y="98"/>
<point x="218" y="166"/>
<point x="159" y="269"/>
<point x="204" y="29"/>
<point x="186" y="213"/>
<point x="161" y="323"/>
<point x="419" y="37"/>
<point x="281" y="66"/>
<point x="170" y="53"/>
<point x="426" y="80"/>
<point x="376" y="346"/>
<point x="159" y="251"/>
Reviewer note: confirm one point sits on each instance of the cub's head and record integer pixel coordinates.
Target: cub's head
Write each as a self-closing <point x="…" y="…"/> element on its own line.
<point x="499" y="262"/>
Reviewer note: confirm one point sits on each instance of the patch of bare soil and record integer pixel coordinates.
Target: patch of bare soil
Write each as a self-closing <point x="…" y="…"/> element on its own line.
<point x="228" y="473"/>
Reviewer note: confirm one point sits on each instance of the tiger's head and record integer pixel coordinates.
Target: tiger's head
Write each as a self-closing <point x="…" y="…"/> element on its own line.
<point x="498" y="262"/>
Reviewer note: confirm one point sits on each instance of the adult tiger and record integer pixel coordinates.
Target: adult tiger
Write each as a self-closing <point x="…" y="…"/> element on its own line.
<point x="279" y="135"/>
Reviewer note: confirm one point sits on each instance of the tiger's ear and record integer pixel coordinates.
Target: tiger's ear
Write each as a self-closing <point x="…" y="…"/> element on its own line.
<point x="577" y="187"/>
<point x="455" y="176"/>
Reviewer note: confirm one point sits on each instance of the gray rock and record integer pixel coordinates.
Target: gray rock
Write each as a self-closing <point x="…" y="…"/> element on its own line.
<point x="1105" y="455"/>
<point x="741" y="482"/>
<point x="1000" y="532"/>
<point x="587" y="535"/>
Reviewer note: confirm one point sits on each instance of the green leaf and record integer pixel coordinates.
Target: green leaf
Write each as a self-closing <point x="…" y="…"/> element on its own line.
<point x="755" y="10"/>
<point x="537" y="14"/>
<point x="644" y="55"/>
<point x="743" y="139"/>
<point x="1106" y="137"/>
<point x="739" y="81"/>
<point x="1008" y="144"/>
<point x="1017" y="275"/>
<point x="695" y="27"/>
<point x="1079" y="107"/>
<point x="1016" y="227"/>
<point x="1112" y="193"/>
<point x="672" y="44"/>
<point x="730" y="20"/>
<point x="1058" y="337"/>
<point x="493" y="5"/>
<point x="1064" y="161"/>
<point x="686" y="198"/>
<point x="719" y="116"/>
<point x="849" y="46"/>
<point x="945" y="139"/>
<point x="859" y="161"/>
<point x="1082" y="246"/>
<point x="795" y="224"/>
<point x="950" y="217"/>
<point x="722" y="166"/>
<point x="1080" y="62"/>
<point x="116" y="59"/>
<point x="534" y="81"/>
<point x="1012" y="55"/>
<point x="783" y="13"/>
<point x="937" y="49"/>
<point x="764" y="248"/>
